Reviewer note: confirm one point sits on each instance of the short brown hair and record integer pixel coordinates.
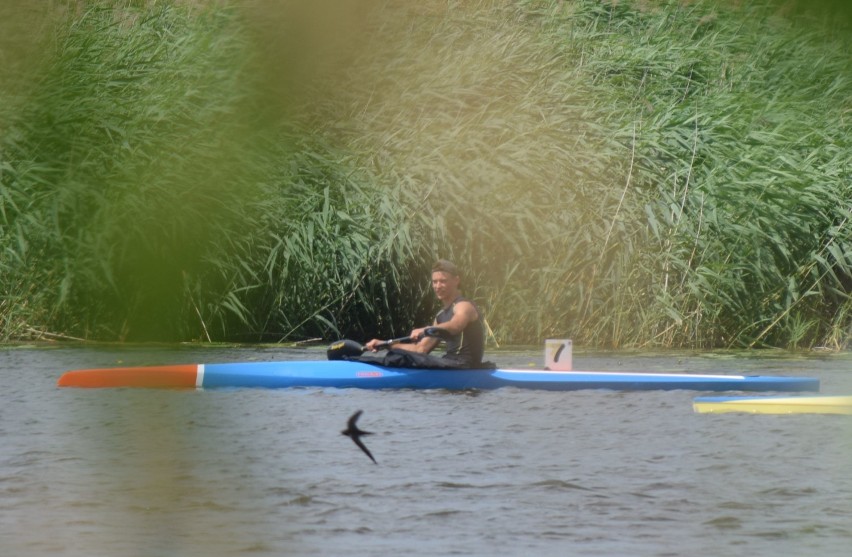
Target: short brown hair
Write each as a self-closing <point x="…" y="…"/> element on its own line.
<point x="445" y="266"/>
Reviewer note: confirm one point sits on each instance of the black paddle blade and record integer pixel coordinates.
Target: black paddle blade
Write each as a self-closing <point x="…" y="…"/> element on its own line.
<point x="344" y="349"/>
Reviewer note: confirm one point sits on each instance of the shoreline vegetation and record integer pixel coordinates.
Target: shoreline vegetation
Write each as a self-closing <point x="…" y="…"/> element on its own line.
<point x="628" y="174"/>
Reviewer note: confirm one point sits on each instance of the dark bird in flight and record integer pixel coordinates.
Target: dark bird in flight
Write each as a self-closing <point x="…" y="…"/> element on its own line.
<point x="355" y="434"/>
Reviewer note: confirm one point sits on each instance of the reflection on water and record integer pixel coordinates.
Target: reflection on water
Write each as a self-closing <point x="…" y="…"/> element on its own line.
<point x="508" y="472"/>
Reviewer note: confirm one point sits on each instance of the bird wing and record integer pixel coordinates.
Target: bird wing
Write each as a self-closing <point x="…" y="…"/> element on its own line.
<point x="353" y="419"/>
<point x="363" y="447"/>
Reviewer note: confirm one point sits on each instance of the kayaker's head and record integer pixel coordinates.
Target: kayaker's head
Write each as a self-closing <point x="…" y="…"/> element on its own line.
<point x="446" y="281"/>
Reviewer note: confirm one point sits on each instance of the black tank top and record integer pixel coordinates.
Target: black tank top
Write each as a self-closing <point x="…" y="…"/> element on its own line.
<point x="468" y="346"/>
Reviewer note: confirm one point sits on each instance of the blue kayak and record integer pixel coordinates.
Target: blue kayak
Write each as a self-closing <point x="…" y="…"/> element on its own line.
<point x="345" y="374"/>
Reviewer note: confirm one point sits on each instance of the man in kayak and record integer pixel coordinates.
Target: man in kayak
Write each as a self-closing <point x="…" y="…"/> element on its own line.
<point x="459" y="324"/>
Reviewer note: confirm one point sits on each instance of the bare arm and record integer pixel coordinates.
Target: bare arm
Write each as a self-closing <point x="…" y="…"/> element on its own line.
<point x="464" y="313"/>
<point x="423" y="346"/>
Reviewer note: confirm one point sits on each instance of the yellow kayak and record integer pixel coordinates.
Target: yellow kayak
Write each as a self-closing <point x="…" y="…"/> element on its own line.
<point x="823" y="404"/>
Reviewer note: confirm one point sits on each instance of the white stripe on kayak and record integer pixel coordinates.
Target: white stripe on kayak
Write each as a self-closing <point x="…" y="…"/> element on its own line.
<point x="623" y="373"/>
<point x="199" y="377"/>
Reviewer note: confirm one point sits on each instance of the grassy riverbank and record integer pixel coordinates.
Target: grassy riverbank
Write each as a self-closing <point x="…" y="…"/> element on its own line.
<point x="621" y="173"/>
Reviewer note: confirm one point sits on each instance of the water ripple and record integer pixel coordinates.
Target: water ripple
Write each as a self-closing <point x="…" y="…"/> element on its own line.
<point x="510" y="472"/>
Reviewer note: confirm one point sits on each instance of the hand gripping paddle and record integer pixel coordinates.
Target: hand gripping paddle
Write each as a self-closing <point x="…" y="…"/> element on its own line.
<point x="351" y="349"/>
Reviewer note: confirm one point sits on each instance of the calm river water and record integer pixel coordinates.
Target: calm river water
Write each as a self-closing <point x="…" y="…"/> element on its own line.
<point x="258" y="472"/>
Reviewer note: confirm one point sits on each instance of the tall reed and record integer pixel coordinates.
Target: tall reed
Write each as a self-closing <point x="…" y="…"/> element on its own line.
<point x="622" y="173"/>
<point x="121" y="163"/>
<point x="150" y="191"/>
<point x="745" y="149"/>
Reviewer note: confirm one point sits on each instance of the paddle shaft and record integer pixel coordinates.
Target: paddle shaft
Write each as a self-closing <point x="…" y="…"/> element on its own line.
<point x="388" y="343"/>
<point x="349" y="349"/>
